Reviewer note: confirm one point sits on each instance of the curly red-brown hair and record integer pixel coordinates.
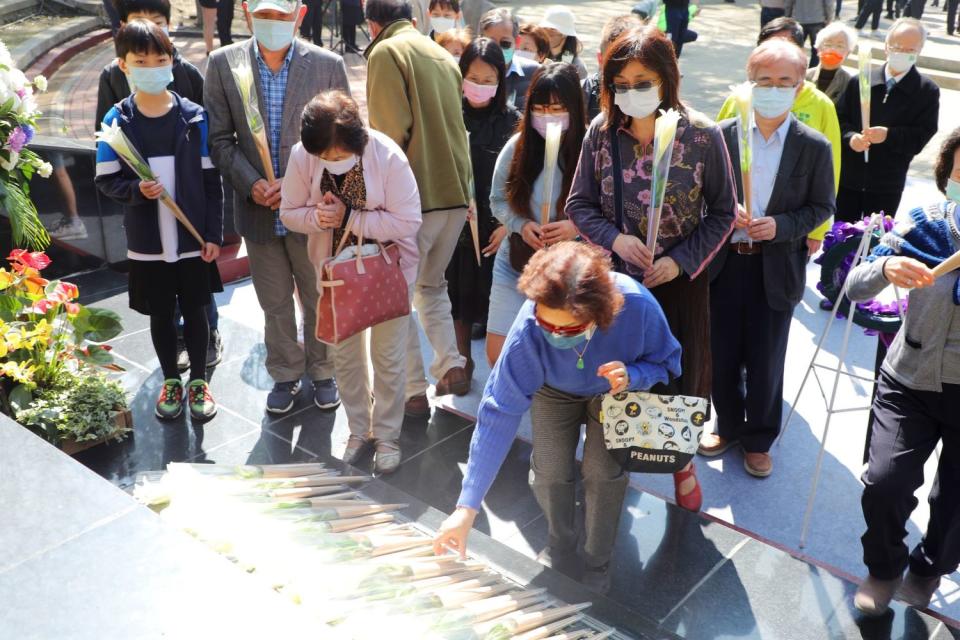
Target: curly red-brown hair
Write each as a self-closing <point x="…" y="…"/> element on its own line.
<point x="575" y="277"/>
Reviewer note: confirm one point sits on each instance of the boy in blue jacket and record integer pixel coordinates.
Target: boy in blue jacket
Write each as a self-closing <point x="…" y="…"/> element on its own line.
<point x="167" y="265"/>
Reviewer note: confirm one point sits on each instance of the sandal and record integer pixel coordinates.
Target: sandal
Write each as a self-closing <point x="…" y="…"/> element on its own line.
<point x="693" y="500"/>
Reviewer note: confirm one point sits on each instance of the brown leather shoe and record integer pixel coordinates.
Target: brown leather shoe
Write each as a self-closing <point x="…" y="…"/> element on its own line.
<point x="417" y="407"/>
<point x="713" y="445"/>
<point x="759" y="465"/>
<point x="454" y="381"/>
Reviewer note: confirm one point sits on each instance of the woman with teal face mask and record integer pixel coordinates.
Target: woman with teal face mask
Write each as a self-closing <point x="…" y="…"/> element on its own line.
<point x="584" y="331"/>
<point x="914" y="410"/>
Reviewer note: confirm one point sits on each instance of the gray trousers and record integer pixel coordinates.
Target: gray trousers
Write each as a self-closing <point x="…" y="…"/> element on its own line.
<point x="381" y="417"/>
<point x="275" y="267"/>
<point x="436" y="240"/>
<point x="556" y="418"/>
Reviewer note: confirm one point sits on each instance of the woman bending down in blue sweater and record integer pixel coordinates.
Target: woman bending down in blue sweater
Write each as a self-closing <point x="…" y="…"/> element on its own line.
<point x="584" y="331"/>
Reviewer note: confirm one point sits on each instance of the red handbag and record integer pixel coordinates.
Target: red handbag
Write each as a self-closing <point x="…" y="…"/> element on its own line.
<point x="360" y="286"/>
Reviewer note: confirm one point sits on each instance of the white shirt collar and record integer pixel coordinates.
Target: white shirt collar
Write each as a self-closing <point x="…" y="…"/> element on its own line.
<point x="515" y="68"/>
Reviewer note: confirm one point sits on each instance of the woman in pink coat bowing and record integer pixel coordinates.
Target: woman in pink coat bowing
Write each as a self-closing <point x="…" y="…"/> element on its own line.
<point x="342" y="171"/>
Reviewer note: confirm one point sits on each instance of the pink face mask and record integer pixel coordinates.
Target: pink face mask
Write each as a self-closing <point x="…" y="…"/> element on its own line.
<point x="479" y="93"/>
<point x="540" y="122"/>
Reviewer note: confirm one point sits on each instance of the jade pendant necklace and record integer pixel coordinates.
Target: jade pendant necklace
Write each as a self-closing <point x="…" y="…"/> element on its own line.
<point x="580" y="353"/>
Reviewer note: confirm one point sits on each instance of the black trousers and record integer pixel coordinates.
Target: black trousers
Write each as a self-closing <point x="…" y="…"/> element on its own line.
<point x="225" y="9"/>
<point x="810" y="32"/>
<point x="871" y="10"/>
<point x="312" y="25"/>
<point x="914" y="9"/>
<point x="907" y="426"/>
<point x="952" y="16"/>
<point x="853" y="205"/>
<point x="745" y="331"/>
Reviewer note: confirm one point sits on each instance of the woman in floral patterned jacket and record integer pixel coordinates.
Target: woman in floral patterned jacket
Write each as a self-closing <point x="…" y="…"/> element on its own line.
<point x="639" y="77"/>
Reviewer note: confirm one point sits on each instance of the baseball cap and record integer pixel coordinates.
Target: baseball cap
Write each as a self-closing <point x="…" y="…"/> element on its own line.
<point x="283" y="6"/>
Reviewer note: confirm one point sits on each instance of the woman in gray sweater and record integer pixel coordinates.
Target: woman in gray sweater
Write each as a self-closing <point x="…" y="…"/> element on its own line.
<point x="916" y="403"/>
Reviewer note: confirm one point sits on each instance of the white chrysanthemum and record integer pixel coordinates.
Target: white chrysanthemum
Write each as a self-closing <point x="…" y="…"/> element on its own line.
<point x="45" y="169"/>
<point x="40" y="83"/>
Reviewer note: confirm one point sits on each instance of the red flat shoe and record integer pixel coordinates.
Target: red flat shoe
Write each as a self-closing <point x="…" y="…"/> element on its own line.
<point x="693" y="500"/>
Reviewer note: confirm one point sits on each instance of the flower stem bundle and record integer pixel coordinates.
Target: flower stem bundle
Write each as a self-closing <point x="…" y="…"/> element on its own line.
<point x="665" y="131"/>
<point x="864" y="58"/>
<point x="114" y="137"/>
<point x="551" y="151"/>
<point x="242" y="71"/>
<point x="743" y="98"/>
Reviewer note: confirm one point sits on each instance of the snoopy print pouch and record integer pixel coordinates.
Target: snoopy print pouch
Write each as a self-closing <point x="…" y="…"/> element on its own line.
<point x="653" y="433"/>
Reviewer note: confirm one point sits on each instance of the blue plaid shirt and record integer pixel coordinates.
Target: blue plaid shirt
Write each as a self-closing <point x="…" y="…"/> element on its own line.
<point x="274" y="86"/>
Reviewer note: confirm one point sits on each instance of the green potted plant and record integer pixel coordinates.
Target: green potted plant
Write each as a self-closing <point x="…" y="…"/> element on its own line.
<point x="50" y="348"/>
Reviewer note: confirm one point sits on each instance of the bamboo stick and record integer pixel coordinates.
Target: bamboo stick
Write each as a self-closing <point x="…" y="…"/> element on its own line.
<point x="948" y="265"/>
<point x="542" y="632"/>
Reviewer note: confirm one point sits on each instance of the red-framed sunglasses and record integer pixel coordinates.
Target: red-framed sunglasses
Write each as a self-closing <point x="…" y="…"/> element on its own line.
<point x="562" y="332"/>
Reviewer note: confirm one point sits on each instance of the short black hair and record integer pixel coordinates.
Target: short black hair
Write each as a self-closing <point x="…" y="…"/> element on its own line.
<point x="140" y="37"/>
<point x="453" y="5"/>
<point x="944" y="166"/>
<point x="332" y="119"/>
<point x="777" y="25"/>
<point x="126" y="7"/>
<point x="384" y="12"/>
<point x="490" y="52"/>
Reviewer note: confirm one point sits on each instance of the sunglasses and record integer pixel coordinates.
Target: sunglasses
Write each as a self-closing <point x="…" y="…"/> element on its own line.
<point x="564" y="331"/>
<point x="639" y="86"/>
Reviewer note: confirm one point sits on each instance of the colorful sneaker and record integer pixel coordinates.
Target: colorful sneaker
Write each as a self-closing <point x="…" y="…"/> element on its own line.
<point x="202" y="405"/>
<point x="170" y="403"/>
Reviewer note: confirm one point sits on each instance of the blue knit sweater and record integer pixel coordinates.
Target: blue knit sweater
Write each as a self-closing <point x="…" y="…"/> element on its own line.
<point x="924" y="236"/>
<point x="639" y="337"/>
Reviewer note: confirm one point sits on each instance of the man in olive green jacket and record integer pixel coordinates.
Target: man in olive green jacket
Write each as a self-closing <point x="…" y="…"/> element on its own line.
<point x="414" y="96"/>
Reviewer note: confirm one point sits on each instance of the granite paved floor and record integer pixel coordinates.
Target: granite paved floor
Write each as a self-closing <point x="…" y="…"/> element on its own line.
<point x="693" y="576"/>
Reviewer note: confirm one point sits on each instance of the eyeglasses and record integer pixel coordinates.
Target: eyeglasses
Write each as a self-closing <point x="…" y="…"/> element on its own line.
<point x="564" y="331"/>
<point x="506" y="44"/>
<point x="897" y="49"/>
<point x="770" y="84"/>
<point x="645" y="85"/>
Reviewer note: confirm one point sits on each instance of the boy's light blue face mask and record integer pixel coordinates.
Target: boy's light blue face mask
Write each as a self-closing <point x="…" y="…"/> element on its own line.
<point x="953" y="190"/>
<point x="151" y="79"/>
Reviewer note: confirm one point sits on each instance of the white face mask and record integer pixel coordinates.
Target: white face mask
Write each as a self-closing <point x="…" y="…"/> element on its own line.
<point x="339" y="167"/>
<point x="638" y="103"/>
<point x="900" y="62"/>
<point x="441" y="24"/>
<point x="529" y="55"/>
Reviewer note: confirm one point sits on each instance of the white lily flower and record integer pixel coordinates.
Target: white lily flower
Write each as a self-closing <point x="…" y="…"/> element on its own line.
<point x="5" y="58"/>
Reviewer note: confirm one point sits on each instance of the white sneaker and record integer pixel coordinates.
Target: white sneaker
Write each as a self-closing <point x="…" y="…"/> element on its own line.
<point x="69" y="228"/>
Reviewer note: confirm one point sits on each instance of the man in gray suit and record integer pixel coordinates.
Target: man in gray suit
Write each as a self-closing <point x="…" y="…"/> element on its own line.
<point x="502" y="27"/>
<point x="287" y="74"/>
<point x="758" y="277"/>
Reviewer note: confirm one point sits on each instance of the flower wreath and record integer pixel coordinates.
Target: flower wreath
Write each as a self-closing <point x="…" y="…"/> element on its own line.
<point x="839" y="249"/>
